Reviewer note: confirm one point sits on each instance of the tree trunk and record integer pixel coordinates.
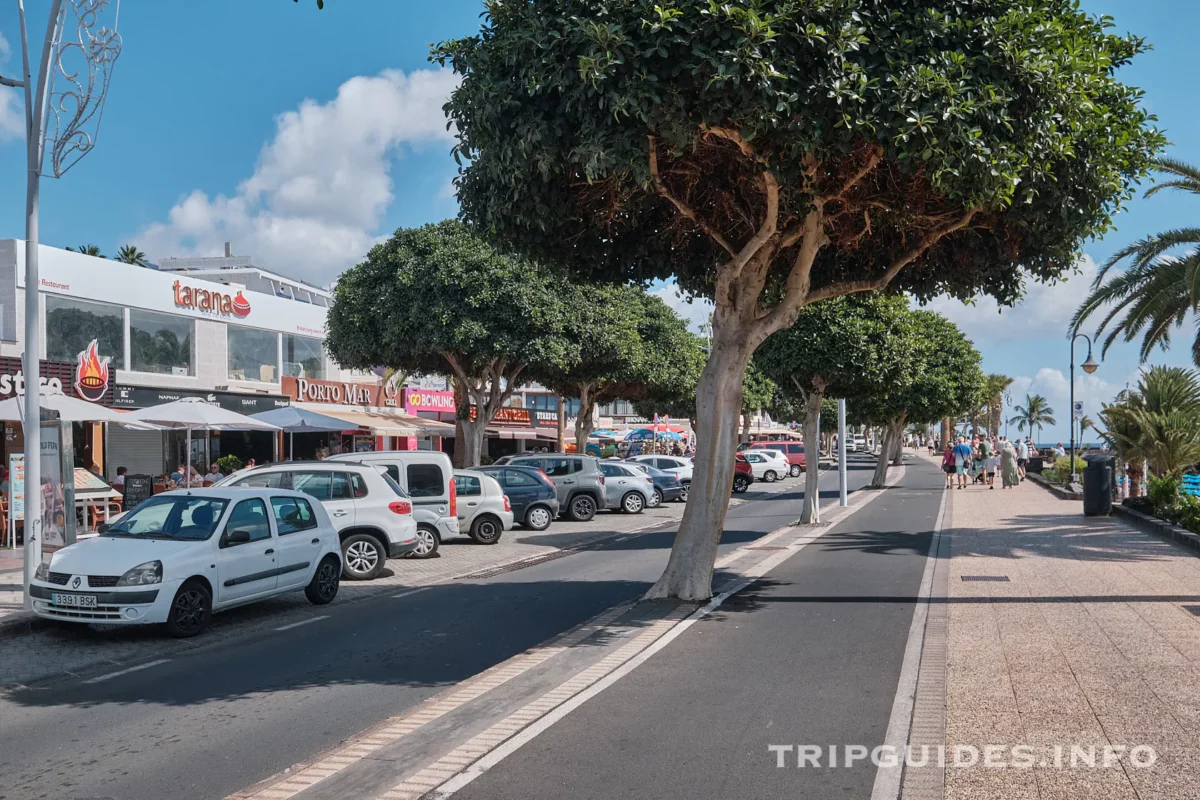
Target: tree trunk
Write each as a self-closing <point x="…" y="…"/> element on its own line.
<point x="994" y="422"/>
<point x="1134" y="475"/>
<point x="585" y="422"/>
<point x="889" y="439"/>
<point x="811" y="513"/>
<point x="946" y="431"/>
<point x="898" y="455"/>
<point x="562" y="425"/>
<point x="688" y="575"/>
<point x="474" y="432"/>
<point x="745" y="437"/>
<point x="462" y="405"/>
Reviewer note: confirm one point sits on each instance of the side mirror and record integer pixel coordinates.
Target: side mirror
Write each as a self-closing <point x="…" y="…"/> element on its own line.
<point x="237" y="537"/>
<point x="102" y="527"/>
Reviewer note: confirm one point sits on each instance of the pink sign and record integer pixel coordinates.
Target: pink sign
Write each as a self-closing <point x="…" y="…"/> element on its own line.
<point x="428" y="400"/>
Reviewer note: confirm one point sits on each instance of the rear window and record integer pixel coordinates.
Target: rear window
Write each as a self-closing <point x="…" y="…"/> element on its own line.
<point x="425" y="480"/>
<point x="341" y="486"/>
<point x="610" y="471"/>
<point x="576" y="465"/>
<point x="292" y="515"/>
<point x="387" y="478"/>
<point x="358" y="485"/>
<point x="557" y="467"/>
<point x="514" y="478"/>
<point x="467" y="486"/>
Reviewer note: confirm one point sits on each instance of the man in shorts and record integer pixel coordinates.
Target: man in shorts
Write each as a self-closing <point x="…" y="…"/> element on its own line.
<point x="1022" y="457"/>
<point x="962" y="460"/>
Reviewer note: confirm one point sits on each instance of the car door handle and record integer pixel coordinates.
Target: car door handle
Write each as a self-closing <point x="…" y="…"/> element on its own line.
<point x="339" y="513"/>
<point x="569" y="480"/>
<point x="472" y="504"/>
<point x="269" y="551"/>
<point x="316" y="541"/>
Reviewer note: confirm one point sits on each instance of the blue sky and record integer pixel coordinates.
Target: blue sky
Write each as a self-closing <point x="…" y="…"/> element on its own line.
<point x="304" y="136"/>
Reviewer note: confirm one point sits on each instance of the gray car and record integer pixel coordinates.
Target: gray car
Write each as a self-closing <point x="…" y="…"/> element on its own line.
<point x="627" y="489"/>
<point x="576" y="478"/>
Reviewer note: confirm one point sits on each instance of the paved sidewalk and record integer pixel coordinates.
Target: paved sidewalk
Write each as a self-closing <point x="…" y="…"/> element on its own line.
<point x="1093" y="640"/>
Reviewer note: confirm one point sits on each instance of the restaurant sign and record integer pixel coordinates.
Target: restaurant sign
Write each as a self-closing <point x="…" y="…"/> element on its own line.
<point x="341" y="393"/>
<point x="521" y="418"/>
<point x="428" y="400"/>
<point x="59" y="377"/>
<point x="212" y="302"/>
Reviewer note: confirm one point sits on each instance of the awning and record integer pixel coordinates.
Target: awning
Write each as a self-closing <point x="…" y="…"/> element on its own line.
<point x="513" y="433"/>
<point x="383" y="423"/>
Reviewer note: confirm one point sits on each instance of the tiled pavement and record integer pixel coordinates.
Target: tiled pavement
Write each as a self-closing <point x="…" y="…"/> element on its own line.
<point x="46" y="651"/>
<point x="1094" y="640"/>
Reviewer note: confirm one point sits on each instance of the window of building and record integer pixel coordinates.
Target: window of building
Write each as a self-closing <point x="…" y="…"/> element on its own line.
<point x="253" y="355"/>
<point x="160" y="343"/>
<point x="72" y="324"/>
<point x="303" y="357"/>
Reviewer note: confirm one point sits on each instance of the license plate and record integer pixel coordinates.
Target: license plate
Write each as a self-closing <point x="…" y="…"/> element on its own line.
<point x="74" y="600"/>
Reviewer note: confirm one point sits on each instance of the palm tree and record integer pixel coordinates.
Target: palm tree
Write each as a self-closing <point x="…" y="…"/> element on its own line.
<point x="1158" y="290"/>
<point x="995" y="387"/>
<point x="1159" y="422"/>
<point x="88" y="250"/>
<point x="1036" y="413"/>
<point x="129" y="254"/>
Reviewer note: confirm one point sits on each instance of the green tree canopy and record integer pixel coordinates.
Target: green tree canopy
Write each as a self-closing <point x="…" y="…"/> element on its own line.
<point x="438" y="299"/>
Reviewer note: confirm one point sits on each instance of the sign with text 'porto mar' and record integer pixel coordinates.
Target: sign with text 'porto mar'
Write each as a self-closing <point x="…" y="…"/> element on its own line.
<point x="341" y="393"/>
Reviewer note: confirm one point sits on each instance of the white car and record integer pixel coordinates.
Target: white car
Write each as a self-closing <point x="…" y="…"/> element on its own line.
<point x="182" y="555"/>
<point x="626" y="488"/>
<point x="676" y="465"/>
<point x="763" y="466"/>
<point x="483" y="507"/>
<point x="781" y="461"/>
<point x="858" y="444"/>
<point x="372" y="514"/>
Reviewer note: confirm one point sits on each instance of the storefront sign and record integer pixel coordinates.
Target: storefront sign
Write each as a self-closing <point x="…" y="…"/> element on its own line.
<point x="507" y="417"/>
<point x="545" y="419"/>
<point x="428" y="400"/>
<point x="216" y="303"/>
<point x="55" y="376"/>
<point x="91" y="374"/>
<point x="16" y="485"/>
<point x="144" y="397"/>
<point x="341" y="393"/>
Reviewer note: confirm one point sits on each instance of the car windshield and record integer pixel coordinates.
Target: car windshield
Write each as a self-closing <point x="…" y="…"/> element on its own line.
<point x="185" y="517"/>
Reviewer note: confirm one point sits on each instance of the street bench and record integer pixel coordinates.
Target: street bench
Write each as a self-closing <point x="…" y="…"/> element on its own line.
<point x="1190" y="485"/>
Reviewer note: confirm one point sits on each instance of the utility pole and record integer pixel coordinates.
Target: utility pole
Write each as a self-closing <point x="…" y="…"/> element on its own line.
<point x="842" y="488"/>
<point x="68" y="120"/>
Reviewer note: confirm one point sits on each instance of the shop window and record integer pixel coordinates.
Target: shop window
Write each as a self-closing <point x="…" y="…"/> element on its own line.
<point x="72" y="324"/>
<point x="303" y="357"/>
<point x="160" y="343"/>
<point x="253" y="355"/>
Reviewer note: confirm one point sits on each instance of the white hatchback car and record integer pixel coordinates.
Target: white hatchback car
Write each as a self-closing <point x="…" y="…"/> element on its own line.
<point x="676" y="465"/>
<point x="372" y="514"/>
<point x="763" y="466"/>
<point x="182" y="555"/>
<point x="483" y="507"/>
<point x="783" y="466"/>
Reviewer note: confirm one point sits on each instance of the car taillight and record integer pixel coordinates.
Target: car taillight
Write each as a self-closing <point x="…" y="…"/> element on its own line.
<point x="601" y="476"/>
<point x="649" y="480"/>
<point x="676" y="477"/>
<point x="507" y="505"/>
<point x="400" y="507"/>
<point x="545" y="479"/>
<point x="453" y="499"/>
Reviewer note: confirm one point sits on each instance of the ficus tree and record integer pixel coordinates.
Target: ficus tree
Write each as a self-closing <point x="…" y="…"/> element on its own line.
<point x="771" y="154"/>
<point x="630" y="344"/>
<point x="438" y="299"/>
<point x="758" y="392"/>
<point x="841" y="348"/>
<point x="936" y="374"/>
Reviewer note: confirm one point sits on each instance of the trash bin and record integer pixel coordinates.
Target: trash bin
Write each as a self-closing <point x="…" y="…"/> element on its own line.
<point x="1098" y="485"/>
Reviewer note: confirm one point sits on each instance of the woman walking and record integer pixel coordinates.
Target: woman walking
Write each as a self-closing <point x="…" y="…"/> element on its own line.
<point x="1009" y="476"/>
<point x="948" y="465"/>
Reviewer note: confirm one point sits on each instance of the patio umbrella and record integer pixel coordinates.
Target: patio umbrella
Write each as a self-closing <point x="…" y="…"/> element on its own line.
<point x="70" y="409"/>
<point x="193" y="413"/>
<point x="293" y="419"/>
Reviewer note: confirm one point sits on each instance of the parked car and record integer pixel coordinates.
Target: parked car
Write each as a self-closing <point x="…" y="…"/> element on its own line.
<point x="676" y="465"/>
<point x="577" y="480"/>
<point x="859" y="442"/>
<point x="743" y="475"/>
<point x="626" y="489"/>
<point x="532" y="495"/>
<point x="373" y="516"/>
<point x="780" y="459"/>
<point x="162" y="563"/>
<point x="427" y="476"/>
<point x="666" y="484"/>
<point x="763" y="466"/>
<point x="793" y="451"/>
<point x="483" y="508"/>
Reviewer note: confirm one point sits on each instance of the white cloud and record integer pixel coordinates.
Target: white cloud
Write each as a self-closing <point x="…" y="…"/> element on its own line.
<point x="1044" y="310"/>
<point x="12" y="109"/>
<point x="322" y="184"/>
<point x="696" y="310"/>
<point x="1052" y="384"/>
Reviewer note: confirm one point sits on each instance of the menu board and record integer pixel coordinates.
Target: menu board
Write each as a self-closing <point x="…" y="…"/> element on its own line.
<point x="138" y="488"/>
<point x="16" y="486"/>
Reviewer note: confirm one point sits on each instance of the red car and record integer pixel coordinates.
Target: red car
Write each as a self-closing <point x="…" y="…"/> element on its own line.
<point x="793" y="450"/>
<point x="743" y="476"/>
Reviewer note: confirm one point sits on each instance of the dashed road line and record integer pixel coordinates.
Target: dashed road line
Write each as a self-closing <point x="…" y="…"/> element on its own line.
<point x="126" y="671"/>
<point x="410" y="592"/>
<point x="301" y="622"/>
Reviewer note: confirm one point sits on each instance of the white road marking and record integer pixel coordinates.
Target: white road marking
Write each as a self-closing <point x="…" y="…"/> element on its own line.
<point x="127" y="671"/>
<point x="887" y="778"/>
<point x="301" y="622"/>
<point x="409" y="593"/>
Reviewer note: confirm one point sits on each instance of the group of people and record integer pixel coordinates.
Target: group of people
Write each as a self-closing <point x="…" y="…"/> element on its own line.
<point x="979" y="459"/>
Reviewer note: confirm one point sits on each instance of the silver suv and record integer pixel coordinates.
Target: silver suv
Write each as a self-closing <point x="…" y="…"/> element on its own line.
<point x="576" y="478"/>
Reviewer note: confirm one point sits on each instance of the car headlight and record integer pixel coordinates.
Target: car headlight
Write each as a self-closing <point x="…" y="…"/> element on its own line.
<point x="142" y="574"/>
<point x="43" y="572"/>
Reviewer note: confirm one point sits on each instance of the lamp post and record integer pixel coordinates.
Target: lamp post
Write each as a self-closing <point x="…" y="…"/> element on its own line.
<point x="63" y="121"/>
<point x="1089" y="366"/>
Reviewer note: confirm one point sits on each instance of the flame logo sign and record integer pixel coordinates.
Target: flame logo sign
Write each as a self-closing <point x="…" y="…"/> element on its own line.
<point x="91" y="374"/>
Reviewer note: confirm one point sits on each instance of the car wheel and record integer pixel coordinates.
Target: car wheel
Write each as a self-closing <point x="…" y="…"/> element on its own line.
<point x="362" y="557"/>
<point x="487" y="530"/>
<point x="427" y="542"/>
<point x="633" y="503"/>
<point x="740" y="483"/>
<point x="325" y="582"/>
<point x="538" y="518"/>
<point x="656" y="499"/>
<point x="684" y="494"/>
<point x="582" y="508"/>
<point x="795" y="470"/>
<point x="769" y="476"/>
<point x="190" y="610"/>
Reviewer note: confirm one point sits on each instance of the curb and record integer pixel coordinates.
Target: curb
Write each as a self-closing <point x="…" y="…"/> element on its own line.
<point x="1158" y="527"/>
<point x="1057" y="491"/>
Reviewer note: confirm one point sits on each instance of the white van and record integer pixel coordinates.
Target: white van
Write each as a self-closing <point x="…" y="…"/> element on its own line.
<point x="427" y="476"/>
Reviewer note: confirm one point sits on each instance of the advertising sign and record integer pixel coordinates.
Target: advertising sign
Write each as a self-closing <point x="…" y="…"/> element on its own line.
<point x="341" y="393"/>
<point x="428" y="400"/>
<point x="16" y="486"/>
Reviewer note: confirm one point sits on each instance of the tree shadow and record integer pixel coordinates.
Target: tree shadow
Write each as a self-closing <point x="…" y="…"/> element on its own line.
<point x="1056" y="536"/>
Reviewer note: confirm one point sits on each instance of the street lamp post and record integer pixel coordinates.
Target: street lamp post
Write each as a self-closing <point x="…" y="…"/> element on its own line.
<point x="65" y="122"/>
<point x="1089" y="366"/>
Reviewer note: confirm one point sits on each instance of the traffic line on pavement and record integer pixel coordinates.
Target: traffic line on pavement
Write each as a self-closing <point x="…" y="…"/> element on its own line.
<point x="409" y="593"/>
<point x="126" y="671"/>
<point x="301" y="622"/>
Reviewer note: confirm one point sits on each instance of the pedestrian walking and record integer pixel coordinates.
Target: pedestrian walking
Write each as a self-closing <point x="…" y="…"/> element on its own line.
<point x="962" y="461"/>
<point x="1022" y="457"/>
<point x="1009" y="472"/>
<point x="948" y="465"/>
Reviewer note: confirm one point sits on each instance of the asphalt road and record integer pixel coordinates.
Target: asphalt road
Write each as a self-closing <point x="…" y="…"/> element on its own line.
<point x="811" y="655"/>
<point x="218" y="718"/>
